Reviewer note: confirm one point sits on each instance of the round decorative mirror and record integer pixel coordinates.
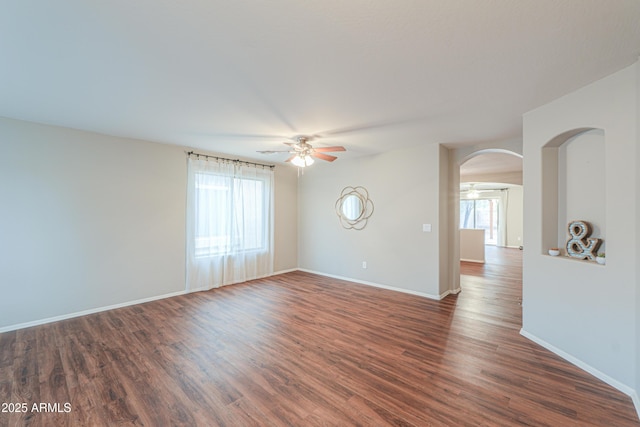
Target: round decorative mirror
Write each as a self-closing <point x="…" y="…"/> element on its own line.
<point x="354" y="207"/>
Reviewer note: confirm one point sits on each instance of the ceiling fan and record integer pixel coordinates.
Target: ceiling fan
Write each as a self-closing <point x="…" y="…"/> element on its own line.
<point x="303" y="153"/>
<point x="472" y="192"/>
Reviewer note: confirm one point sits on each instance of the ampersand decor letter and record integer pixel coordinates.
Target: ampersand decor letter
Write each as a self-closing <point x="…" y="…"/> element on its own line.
<point x="580" y="245"/>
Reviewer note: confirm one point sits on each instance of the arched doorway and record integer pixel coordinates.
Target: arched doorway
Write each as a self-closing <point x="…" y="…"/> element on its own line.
<point x="491" y="200"/>
<point x="490" y="171"/>
<point x="490" y="225"/>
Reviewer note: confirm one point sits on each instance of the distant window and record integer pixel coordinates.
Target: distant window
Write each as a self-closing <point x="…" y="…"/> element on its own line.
<point x="482" y="214"/>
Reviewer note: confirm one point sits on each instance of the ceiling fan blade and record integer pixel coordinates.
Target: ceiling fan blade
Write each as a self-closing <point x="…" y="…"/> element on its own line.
<point x="296" y="146"/>
<point x="291" y="158"/>
<point x="321" y="156"/>
<point x="329" y="149"/>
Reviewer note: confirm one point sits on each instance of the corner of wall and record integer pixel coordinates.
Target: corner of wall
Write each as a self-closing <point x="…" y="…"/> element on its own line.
<point x="444" y="218"/>
<point x="286" y="219"/>
<point x="636" y="399"/>
<point x="450" y="191"/>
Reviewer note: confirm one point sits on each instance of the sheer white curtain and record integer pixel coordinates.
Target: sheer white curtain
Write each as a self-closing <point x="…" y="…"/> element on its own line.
<point x="229" y="223"/>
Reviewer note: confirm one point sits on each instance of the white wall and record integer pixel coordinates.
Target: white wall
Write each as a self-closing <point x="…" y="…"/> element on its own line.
<point x="581" y="184"/>
<point x="449" y="278"/>
<point x="472" y="244"/>
<point x="585" y="311"/>
<point x="286" y="219"/>
<point x="637" y="262"/>
<point x="404" y="187"/>
<point x="88" y="221"/>
<point x="502" y="177"/>
<point x="515" y="216"/>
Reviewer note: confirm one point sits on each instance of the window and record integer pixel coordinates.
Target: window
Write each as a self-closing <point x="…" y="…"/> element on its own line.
<point x="229" y="222"/>
<point x="483" y="214"/>
<point x="230" y="215"/>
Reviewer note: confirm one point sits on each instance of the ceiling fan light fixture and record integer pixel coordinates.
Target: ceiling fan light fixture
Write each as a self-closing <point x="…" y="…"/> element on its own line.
<point x="303" y="154"/>
<point x="302" y="160"/>
<point x="473" y="193"/>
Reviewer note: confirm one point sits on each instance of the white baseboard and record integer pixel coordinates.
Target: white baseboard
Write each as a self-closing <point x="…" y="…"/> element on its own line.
<point x="290" y="270"/>
<point x="86" y="312"/>
<point x="586" y="367"/>
<point x="636" y="402"/>
<point x="112" y="307"/>
<point x="378" y="285"/>
<point x="479" y="261"/>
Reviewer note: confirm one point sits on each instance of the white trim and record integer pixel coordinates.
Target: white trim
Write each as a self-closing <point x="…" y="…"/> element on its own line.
<point x="204" y="289"/>
<point x="289" y="270"/>
<point x="114" y="306"/>
<point x="192" y="291"/>
<point x="449" y="292"/>
<point x="86" y="312"/>
<point x="378" y="285"/>
<point x="636" y="402"/>
<point x="473" y="260"/>
<point x="586" y="367"/>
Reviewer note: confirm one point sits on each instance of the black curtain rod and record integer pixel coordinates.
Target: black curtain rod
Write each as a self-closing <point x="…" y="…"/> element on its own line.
<point x="193" y="153"/>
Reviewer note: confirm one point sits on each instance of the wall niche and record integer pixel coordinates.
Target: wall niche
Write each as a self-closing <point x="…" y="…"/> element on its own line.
<point x="573" y="185"/>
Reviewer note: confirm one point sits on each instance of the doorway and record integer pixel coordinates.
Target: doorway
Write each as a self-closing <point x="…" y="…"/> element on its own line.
<point x="491" y="200"/>
<point x="481" y="214"/>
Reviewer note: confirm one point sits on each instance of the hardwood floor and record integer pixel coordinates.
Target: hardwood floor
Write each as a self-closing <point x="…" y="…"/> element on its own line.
<point x="304" y="350"/>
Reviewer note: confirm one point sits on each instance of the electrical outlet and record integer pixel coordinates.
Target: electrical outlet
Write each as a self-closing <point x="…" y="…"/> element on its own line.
<point x="364" y="264"/>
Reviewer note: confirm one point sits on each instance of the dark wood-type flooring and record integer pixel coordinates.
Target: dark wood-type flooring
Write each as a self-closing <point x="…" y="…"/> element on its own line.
<point x="304" y="350"/>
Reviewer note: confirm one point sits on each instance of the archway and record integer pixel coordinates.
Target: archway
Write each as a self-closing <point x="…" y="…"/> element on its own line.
<point x="573" y="184"/>
<point x="457" y="158"/>
<point x="491" y="199"/>
<point x="490" y="256"/>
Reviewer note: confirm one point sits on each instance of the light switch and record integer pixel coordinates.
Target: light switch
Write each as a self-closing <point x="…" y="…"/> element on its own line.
<point x="426" y="228"/>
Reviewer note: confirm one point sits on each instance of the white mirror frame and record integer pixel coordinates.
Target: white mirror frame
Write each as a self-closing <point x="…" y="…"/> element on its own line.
<point x="366" y="208"/>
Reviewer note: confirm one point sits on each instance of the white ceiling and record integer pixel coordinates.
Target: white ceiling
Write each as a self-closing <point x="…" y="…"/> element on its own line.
<point x="493" y="163"/>
<point x="239" y="76"/>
